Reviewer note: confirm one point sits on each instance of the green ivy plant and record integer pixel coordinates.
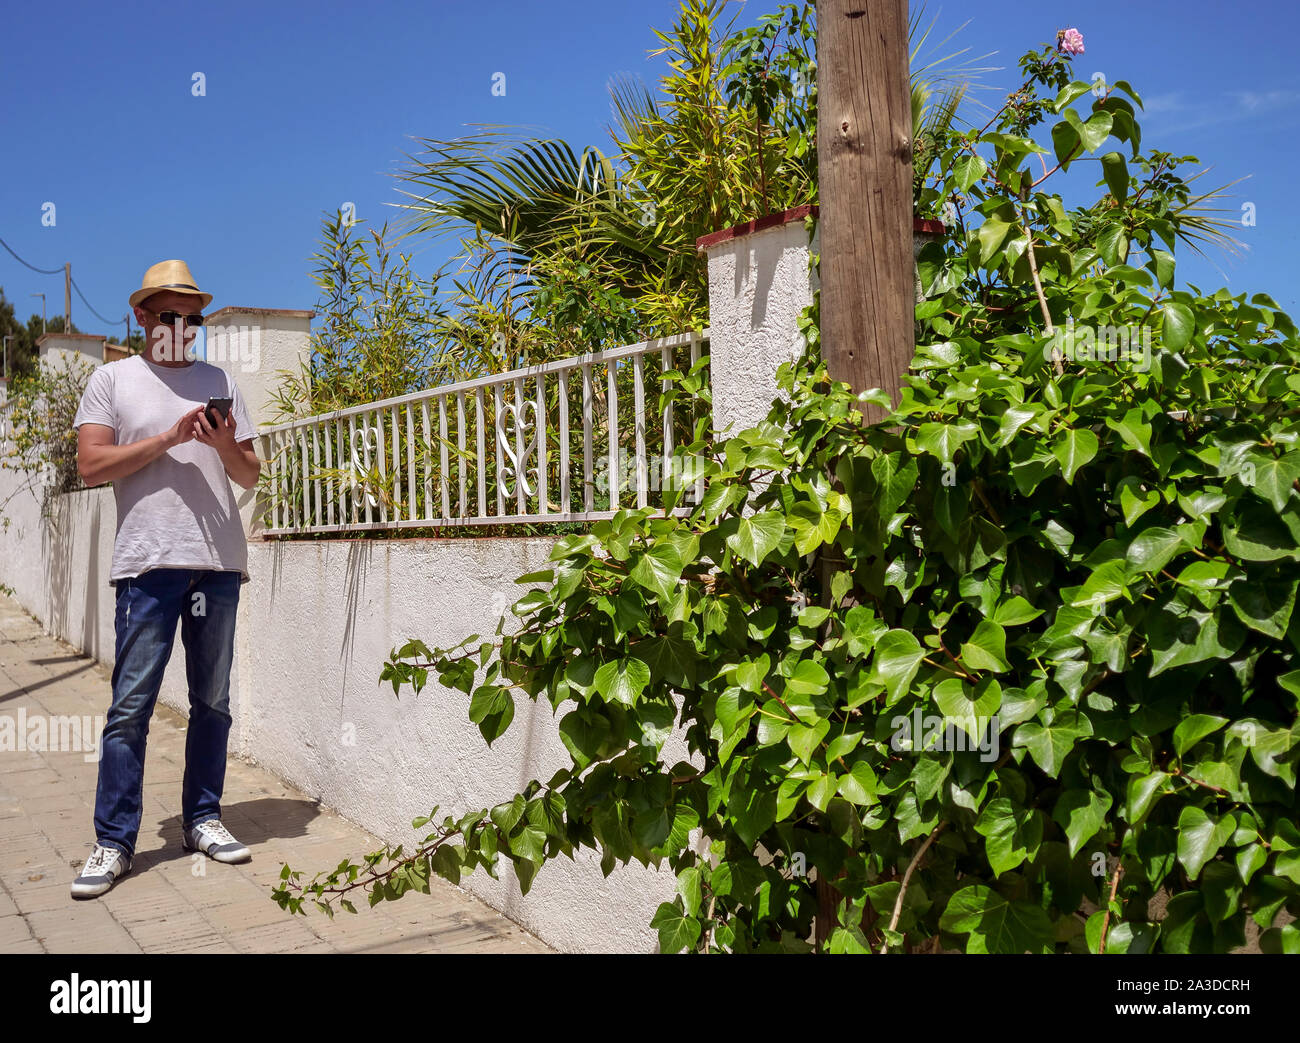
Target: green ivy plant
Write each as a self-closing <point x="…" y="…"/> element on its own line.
<point x="1015" y="670"/>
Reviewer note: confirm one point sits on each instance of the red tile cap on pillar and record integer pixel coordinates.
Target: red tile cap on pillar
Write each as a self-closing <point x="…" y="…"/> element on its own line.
<point x="798" y="213"/>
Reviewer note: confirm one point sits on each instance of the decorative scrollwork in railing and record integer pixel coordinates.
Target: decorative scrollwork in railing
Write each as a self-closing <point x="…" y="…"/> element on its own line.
<point x="518" y="467"/>
<point x="365" y="444"/>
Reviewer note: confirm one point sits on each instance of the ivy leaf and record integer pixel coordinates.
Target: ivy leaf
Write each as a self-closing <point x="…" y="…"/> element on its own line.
<point x="677" y="931"/>
<point x="804" y="740"/>
<point x="1106" y="583"/>
<point x="1050" y="744"/>
<point x="821" y="791"/>
<point x="529" y="844"/>
<point x="1152" y="550"/>
<point x="969" y="707"/>
<point x="1135" y="432"/>
<point x="812" y="526"/>
<point x="1264" y="605"/>
<point x="1256" y="533"/>
<point x="1180" y="635"/>
<point x="995" y="924"/>
<point x="1200" y="837"/>
<point x="1143" y="792"/>
<point x="1011" y="834"/>
<point x="1074" y="449"/>
<point x="492" y="708"/>
<point x="754" y="813"/>
<point x="1015" y="611"/>
<point x="943" y="440"/>
<point x="659" y="570"/>
<point x="897" y="658"/>
<point x="623" y="680"/>
<point x="809" y="677"/>
<point x="1274" y="477"/>
<point x="583" y="733"/>
<point x="1134" y="500"/>
<point x="756" y="537"/>
<point x="1193" y="729"/>
<point x="1013" y="419"/>
<point x="858" y="786"/>
<point x="1081" y="814"/>
<point x="986" y="648"/>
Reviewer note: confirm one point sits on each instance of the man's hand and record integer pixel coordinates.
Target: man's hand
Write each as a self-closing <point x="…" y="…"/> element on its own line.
<point x="239" y="458"/>
<point x="221" y="437"/>
<point x="185" y="428"/>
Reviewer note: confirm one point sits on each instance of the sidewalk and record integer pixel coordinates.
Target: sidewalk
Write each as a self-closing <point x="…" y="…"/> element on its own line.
<point x="173" y="900"/>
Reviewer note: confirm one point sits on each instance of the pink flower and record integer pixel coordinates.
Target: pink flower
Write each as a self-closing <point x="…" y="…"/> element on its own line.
<point x="1069" y="41"/>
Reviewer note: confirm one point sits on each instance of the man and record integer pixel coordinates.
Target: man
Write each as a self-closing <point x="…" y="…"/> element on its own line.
<point x="179" y="555"/>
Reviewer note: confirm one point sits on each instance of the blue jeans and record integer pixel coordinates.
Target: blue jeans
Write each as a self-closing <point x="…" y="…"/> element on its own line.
<point x="148" y="608"/>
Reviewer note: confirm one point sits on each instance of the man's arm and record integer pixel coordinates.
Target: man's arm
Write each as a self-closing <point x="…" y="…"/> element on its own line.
<point x="244" y="465"/>
<point x="100" y="461"/>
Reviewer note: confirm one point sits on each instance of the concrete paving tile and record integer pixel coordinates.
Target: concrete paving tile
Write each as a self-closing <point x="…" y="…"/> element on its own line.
<point x="14" y="929"/>
<point x="18" y="948"/>
<point x="84" y="927"/>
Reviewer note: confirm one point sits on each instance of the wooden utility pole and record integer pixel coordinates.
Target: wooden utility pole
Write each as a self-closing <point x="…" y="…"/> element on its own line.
<point x="864" y="168"/>
<point x="67" y="298"/>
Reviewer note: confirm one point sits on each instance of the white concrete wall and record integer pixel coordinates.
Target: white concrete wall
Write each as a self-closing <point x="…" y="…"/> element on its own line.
<point x="88" y="344"/>
<point x="320" y="618"/>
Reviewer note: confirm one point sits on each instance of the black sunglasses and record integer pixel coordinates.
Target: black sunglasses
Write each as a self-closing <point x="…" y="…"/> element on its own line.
<point x="169" y="318"/>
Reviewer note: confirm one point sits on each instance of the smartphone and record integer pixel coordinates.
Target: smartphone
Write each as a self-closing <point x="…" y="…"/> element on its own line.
<point x="215" y="406"/>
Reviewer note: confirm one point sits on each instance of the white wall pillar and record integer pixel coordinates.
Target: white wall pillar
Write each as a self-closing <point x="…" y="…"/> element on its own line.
<point x="253" y="345"/>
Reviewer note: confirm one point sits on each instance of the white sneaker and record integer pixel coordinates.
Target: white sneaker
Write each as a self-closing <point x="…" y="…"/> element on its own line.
<point x="215" y="841"/>
<point x="100" y="872"/>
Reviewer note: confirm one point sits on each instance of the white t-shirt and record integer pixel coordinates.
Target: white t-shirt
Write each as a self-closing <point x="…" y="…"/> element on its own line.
<point x="179" y="510"/>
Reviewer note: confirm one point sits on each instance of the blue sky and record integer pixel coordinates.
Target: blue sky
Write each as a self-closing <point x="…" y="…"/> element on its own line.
<point x="309" y="105"/>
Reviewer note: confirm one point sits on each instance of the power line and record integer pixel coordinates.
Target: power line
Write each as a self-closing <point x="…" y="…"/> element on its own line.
<point x="43" y="271"/>
<point x="95" y="313"/>
<point x="59" y="271"/>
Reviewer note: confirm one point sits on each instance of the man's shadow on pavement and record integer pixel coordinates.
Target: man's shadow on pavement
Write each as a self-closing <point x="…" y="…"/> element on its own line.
<point x="251" y="821"/>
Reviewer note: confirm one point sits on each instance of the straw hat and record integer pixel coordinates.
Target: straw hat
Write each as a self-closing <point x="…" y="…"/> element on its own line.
<point x="169" y="275"/>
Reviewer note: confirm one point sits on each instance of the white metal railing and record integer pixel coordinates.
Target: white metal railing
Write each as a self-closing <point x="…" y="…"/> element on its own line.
<point x="494" y="450"/>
